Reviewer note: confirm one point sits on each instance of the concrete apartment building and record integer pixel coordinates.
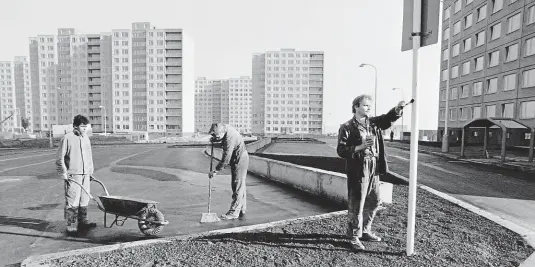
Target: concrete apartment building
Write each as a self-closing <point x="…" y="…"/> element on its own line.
<point x="287" y="92"/>
<point x="226" y="101"/>
<point x="492" y="69"/>
<point x="148" y="84"/>
<point x="23" y="93"/>
<point x="43" y="68"/>
<point x="7" y="96"/>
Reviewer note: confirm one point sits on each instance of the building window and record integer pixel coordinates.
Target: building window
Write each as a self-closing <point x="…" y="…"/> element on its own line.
<point x="495" y="31"/>
<point x="464" y="91"/>
<point x="531" y="14"/>
<point x="492" y="86"/>
<point x="528" y="78"/>
<point x="511" y="52"/>
<point x="509" y="82"/>
<point x="469" y="2"/>
<point x="481" y="13"/>
<point x="466" y="67"/>
<point x="442" y="95"/>
<point x="491" y="111"/>
<point x="447" y="12"/>
<point x="453" y="93"/>
<point x="455" y="50"/>
<point x="513" y="23"/>
<point x="454" y="72"/>
<point x="478" y="63"/>
<point x="527" y="110"/>
<point x="467" y="43"/>
<point x="444" y="75"/>
<point x="497" y="5"/>
<point x="478" y="89"/>
<point x="463" y="114"/>
<point x="446" y="34"/>
<point x="530" y="46"/>
<point x="508" y="110"/>
<point x="452" y="114"/>
<point x="480" y="38"/>
<point x="457" y="6"/>
<point x="476" y="112"/>
<point x="494" y="58"/>
<point x="445" y="54"/>
<point x="457" y="28"/>
<point x="468" y="21"/>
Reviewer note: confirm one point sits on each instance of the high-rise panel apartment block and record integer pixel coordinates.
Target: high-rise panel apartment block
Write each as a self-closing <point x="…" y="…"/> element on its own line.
<point x="8" y="106"/>
<point x="492" y="72"/>
<point x="23" y="91"/>
<point x="223" y="101"/>
<point x="287" y="95"/>
<point x="148" y="80"/>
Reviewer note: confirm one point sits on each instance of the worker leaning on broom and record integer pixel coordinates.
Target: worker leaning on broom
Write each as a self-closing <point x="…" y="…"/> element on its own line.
<point x="234" y="154"/>
<point x="75" y="161"/>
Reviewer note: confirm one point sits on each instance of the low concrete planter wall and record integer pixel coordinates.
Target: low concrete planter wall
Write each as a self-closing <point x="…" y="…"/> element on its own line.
<point x="323" y="183"/>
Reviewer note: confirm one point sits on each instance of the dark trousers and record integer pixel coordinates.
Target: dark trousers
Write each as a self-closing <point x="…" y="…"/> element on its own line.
<point x="363" y="198"/>
<point x="239" y="195"/>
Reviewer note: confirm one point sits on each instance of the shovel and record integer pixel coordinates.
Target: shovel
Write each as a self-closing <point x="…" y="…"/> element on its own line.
<point x="210" y="217"/>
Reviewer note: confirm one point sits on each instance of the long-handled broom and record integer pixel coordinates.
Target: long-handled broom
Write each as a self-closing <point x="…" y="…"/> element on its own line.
<point x="210" y="217"/>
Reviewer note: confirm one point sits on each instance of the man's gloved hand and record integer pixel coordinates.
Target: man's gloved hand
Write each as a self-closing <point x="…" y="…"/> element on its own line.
<point x="91" y="178"/>
<point x="213" y="139"/>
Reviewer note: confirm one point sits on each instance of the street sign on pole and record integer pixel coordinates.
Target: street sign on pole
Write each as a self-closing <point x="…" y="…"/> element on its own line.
<point x="430" y="11"/>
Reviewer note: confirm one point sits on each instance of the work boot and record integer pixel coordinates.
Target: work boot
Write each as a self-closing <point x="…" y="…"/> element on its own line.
<point x="356" y="244"/>
<point x="230" y="216"/>
<point x="71" y="220"/>
<point x="242" y="215"/>
<point x="83" y="223"/>
<point x="370" y="237"/>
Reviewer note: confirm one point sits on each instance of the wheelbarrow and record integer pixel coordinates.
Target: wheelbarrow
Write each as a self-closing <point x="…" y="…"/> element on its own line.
<point x="150" y="219"/>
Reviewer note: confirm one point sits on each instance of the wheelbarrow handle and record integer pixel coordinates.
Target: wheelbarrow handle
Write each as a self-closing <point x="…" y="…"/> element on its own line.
<point x="90" y="196"/>
<point x="102" y="184"/>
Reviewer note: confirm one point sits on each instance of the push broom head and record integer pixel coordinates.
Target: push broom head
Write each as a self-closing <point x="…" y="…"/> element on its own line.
<point x="209" y="217"/>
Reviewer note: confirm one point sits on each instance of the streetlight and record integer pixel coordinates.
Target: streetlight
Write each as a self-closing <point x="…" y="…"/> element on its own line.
<point x="375" y="97"/>
<point x="445" y="141"/>
<point x="402" y="114"/>
<point x="104" y="108"/>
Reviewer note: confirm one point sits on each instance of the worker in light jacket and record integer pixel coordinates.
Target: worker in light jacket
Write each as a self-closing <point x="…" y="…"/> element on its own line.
<point x="234" y="154"/>
<point x="360" y="142"/>
<point x="74" y="161"/>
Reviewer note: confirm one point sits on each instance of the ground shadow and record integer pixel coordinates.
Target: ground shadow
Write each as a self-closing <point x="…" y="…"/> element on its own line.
<point x="50" y="206"/>
<point x="307" y="241"/>
<point x="151" y="174"/>
<point x="28" y="223"/>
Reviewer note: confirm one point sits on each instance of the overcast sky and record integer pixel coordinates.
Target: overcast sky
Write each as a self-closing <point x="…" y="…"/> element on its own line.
<point x="227" y="33"/>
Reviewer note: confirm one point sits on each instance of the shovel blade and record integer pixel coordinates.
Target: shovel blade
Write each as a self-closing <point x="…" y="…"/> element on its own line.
<point x="209" y="217"/>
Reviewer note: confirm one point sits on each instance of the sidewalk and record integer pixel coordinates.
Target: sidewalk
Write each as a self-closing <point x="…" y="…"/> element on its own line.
<point x="514" y="160"/>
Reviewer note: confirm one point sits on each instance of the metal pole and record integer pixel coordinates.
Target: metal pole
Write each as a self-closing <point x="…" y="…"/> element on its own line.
<point x="417" y="10"/>
<point x="445" y="137"/>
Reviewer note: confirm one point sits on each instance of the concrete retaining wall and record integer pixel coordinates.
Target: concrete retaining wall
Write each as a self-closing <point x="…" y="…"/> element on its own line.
<point x="323" y="183"/>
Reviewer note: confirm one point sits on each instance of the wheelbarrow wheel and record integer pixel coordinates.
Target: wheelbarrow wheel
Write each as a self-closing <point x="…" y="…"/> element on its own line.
<point x="148" y="228"/>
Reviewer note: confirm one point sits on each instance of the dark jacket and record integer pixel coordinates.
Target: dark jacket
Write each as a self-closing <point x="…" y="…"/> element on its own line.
<point x="349" y="137"/>
<point x="233" y="148"/>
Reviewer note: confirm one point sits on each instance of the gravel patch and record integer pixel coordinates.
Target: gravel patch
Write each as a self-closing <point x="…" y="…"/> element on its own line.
<point x="446" y="235"/>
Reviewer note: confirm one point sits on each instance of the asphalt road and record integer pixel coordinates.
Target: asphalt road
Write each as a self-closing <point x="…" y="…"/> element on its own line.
<point x="506" y="193"/>
<point x="31" y="214"/>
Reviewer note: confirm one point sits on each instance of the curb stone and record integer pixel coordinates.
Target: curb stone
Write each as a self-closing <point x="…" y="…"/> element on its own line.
<point x="527" y="234"/>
